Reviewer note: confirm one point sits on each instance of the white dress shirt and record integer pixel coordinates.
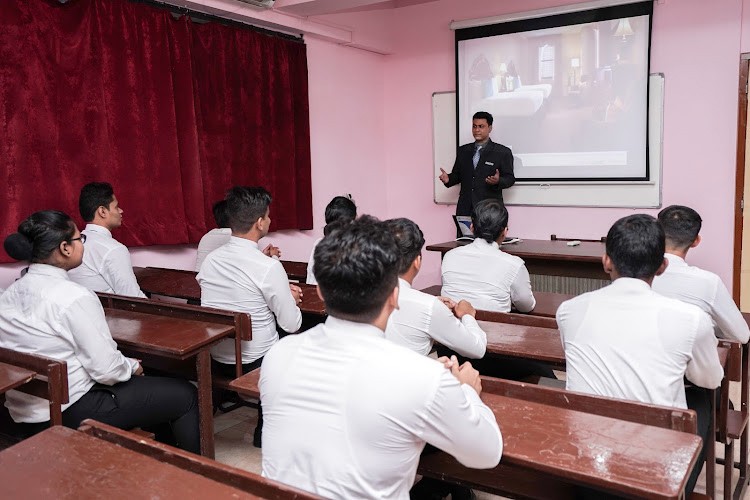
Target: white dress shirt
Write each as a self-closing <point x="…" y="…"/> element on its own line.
<point x="210" y="241"/>
<point x="347" y="413"/>
<point x="239" y="277"/>
<point x="310" y="275"/>
<point x="704" y="289"/>
<point x="487" y="277"/>
<point x="46" y="313"/>
<point x="422" y="319"/>
<point x="628" y="342"/>
<point x="106" y="264"/>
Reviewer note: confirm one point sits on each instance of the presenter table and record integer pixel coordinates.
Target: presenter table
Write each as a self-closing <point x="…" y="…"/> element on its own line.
<point x="553" y="265"/>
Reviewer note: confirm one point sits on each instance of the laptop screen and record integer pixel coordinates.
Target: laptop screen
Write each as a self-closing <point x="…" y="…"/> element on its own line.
<point x="463" y="223"/>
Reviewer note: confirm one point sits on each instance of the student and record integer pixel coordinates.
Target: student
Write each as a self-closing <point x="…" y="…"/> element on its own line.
<point x="481" y="272"/>
<point x="421" y="319"/>
<point x="692" y="284"/>
<point x="221" y="235"/>
<point x="347" y="411"/>
<point x="46" y="313"/>
<point x="239" y="277"/>
<point x="106" y="263"/>
<point x="339" y="209"/>
<point x="628" y="342"/>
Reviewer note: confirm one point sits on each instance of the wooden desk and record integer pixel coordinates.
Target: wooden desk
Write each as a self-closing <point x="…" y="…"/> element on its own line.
<point x="152" y="338"/>
<point x="64" y="463"/>
<point x="552" y="258"/>
<point x="182" y="285"/>
<point x="13" y="376"/>
<point x="247" y="385"/>
<point x="526" y="342"/>
<point x="547" y="303"/>
<point x="296" y="271"/>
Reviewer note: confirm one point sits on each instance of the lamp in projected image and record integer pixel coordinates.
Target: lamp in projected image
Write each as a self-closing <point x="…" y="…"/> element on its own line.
<point x="624" y="30"/>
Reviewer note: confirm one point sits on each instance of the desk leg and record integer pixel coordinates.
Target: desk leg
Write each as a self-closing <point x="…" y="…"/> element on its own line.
<point x="711" y="450"/>
<point x="205" y="403"/>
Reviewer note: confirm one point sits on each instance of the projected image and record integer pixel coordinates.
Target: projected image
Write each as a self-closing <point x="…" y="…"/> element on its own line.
<point x="570" y="101"/>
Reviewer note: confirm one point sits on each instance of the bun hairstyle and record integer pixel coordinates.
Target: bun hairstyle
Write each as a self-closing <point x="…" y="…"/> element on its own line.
<point x="40" y="235"/>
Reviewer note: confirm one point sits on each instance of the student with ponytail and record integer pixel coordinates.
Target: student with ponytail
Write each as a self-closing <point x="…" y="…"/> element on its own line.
<point x="46" y="313"/>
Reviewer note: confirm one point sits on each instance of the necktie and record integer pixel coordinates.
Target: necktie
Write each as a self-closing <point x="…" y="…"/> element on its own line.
<point x="475" y="158"/>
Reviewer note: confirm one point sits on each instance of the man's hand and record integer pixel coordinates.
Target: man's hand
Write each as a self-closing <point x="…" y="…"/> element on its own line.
<point x="443" y="176"/>
<point x="493" y="179"/>
<point x="448" y="302"/>
<point x="139" y="370"/>
<point x="466" y="374"/>
<point x="272" y="251"/>
<point x="448" y="362"/>
<point x="296" y="293"/>
<point x="464" y="307"/>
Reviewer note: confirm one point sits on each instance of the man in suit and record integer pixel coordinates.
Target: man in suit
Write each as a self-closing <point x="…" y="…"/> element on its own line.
<point x="483" y="168"/>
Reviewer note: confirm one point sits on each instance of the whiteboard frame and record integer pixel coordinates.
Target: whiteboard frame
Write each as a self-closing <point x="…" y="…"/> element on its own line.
<point x="619" y="194"/>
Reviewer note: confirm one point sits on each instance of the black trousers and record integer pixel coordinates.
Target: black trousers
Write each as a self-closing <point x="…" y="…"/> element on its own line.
<point x="230" y="371"/>
<point x="168" y="407"/>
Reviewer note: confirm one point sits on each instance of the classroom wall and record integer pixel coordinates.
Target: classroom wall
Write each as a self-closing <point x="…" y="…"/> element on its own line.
<point x="371" y="135"/>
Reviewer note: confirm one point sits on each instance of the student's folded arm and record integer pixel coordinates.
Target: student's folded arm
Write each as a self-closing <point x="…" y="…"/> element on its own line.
<point x="463" y="336"/>
<point x="458" y="423"/>
<point x="118" y="272"/>
<point x="520" y="291"/>
<point x="280" y="299"/>
<point x="94" y="346"/>
<point x="728" y="317"/>
<point x="704" y="369"/>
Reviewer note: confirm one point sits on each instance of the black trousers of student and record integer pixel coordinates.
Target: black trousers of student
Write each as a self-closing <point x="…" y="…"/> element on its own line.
<point x="168" y="407"/>
<point x="505" y="368"/>
<point x="230" y="371"/>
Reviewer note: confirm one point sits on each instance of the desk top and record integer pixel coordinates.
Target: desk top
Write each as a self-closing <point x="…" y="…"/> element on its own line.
<point x="63" y="463"/>
<point x="541" y="249"/>
<point x="295" y="270"/>
<point x="13" y="376"/>
<point x="634" y="459"/>
<point x="311" y="302"/>
<point x="175" y="337"/>
<point x="247" y="385"/>
<point x="520" y="341"/>
<point x="547" y="303"/>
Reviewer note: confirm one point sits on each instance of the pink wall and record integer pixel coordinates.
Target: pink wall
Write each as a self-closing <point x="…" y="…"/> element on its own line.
<point x="371" y="126"/>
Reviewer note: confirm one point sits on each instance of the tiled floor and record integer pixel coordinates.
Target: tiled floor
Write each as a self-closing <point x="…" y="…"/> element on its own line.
<point x="234" y="445"/>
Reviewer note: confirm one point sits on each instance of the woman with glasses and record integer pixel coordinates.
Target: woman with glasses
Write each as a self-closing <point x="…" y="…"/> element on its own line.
<point x="46" y="313"/>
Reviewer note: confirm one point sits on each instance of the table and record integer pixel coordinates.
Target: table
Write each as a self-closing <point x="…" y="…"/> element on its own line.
<point x="154" y="338"/>
<point x="13" y="376"/>
<point x="526" y="342"/>
<point x="581" y="266"/>
<point x="295" y="270"/>
<point x="546" y="306"/>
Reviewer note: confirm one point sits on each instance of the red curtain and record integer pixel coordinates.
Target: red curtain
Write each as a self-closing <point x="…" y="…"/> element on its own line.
<point x="171" y="112"/>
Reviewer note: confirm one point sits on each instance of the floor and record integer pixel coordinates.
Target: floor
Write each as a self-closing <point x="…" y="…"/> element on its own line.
<point x="234" y="445"/>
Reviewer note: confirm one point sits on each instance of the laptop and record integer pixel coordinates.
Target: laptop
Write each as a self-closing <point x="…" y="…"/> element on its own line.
<point x="463" y="224"/>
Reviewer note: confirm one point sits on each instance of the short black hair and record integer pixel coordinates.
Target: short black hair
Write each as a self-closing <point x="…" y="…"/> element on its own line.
<point x="490" y="218"/>
<point x="220" y="213"/>
<point x="635" y="244"/>
<point x="356" y="267"/>
<point x="483" y="115"/>
<point x="245" y="205"/>
<point x="409" y="239"/>
<point x="94" y="195"/>
<point x="340" y="207"/>
<point x="40" y="235"/>
<point x="333" y="226"/>
<point x="681" y="225"/>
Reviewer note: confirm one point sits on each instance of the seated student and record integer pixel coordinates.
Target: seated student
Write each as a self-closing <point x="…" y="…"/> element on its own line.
<point x="421" y="319"/>
<point x="221" y="235"/>
<point x="626" y="341"/>
<point x="46" y="313"/>
<point x="349" y="412"/>
<point x="239" y="277"/>
<point x="106" y="263"/>
<point x="340" y="208"/>
<point x="692" y="284"/>
<point x="481" y="272"/>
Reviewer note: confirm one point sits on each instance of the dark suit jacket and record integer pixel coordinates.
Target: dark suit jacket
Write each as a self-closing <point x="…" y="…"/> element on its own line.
<point x="474" y="189"/>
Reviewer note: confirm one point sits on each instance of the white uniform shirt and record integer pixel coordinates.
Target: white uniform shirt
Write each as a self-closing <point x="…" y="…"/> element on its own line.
<point x="626" y="341"/>
<point x="46" y="313"/>
<point x="239" y="277"/>
<point x="487" y="277"/>
<point x="106" y="264"/>
<point x="704" y="289"/>
<point x="347" y="413"/>
<point x="422" y="319"/>
<point x="310" y="276"/>
<point x="210" y="241"/>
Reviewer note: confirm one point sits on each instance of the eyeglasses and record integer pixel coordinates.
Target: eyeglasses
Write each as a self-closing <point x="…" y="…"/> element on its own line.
<point x="82" y="238"/>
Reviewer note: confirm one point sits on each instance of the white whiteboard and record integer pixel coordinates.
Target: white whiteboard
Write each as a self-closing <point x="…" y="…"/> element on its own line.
<point x="641" y="194"/>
